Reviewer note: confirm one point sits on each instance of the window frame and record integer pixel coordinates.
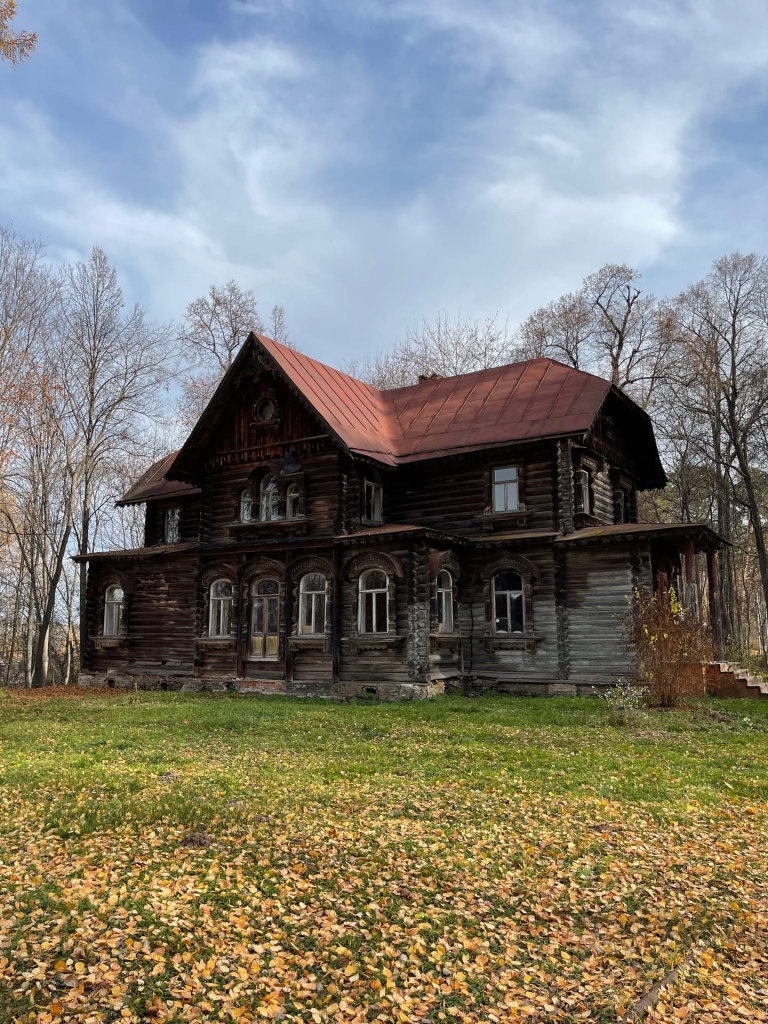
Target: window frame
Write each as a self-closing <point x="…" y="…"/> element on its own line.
<point x="363" y="593"/>
<point x="317" y="600"/>
<point x="376" y="504"/>
<point x="109" y="604"/>
<point x="216" y="606"/>
<point x="510" y="594"/>
<point x="506" y="485"/>
<point x="266" y="489"/>
<point x="172" y="524"/>
<point x="246" y="502"/>
<point x="292" y="497"/>
<point x="445" y="624"/>
<point x="266" y="598"/>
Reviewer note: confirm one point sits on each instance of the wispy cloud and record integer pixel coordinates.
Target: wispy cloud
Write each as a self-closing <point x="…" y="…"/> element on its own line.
<point x="366" y="163"/>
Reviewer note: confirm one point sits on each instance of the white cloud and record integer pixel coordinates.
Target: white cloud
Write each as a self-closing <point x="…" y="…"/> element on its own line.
<point x="580" y="152"/>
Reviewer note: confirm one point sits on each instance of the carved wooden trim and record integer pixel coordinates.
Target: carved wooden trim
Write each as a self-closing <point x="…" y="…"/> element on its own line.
<point x="372" y="642"/>
<point x="310" y="642"/>
<point x="216" y="643"/>
<point x="103" y="643"/>
<point x="523" y="642"/>
<point x="372" y="560"/>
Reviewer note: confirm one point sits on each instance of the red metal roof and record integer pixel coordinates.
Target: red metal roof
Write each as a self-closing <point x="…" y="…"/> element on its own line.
<point x="154" y="483"/>
<point x="516" y="402"/>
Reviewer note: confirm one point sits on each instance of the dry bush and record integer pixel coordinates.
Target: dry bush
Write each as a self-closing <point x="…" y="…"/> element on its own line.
<point x="671" y="645"/>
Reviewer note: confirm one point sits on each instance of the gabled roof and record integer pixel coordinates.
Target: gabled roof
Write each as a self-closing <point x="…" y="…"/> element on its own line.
<point x="156" y="483"/>
<point x="517" y="402"/>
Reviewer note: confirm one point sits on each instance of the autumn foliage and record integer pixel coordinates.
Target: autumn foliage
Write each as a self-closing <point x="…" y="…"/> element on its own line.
<point x="169" y="858"/>
<point x="671" y="647"/>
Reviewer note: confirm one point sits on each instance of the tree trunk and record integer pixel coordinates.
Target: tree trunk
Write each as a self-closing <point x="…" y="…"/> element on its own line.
<point x="30" y="650"/>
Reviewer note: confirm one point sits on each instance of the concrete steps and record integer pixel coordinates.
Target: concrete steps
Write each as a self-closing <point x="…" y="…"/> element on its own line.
<point x="729" y="679"/>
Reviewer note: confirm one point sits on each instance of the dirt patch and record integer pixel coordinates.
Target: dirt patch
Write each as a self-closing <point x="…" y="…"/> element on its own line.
<point x="55" y="692"/>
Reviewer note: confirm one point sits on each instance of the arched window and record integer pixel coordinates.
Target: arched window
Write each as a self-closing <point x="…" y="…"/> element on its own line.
<point x="113" y="610"/>
<point x="508" y="603"/>
<point x="444" y="602"/>
<point x="313" y="591"/>
<point x="265" y="619"/>
<point x="220" y="614"/>
<point x="246" y="506"/>
<point x="270" y="499"/>
<point x="292" y="496"/>
<point x="373" y="610"/>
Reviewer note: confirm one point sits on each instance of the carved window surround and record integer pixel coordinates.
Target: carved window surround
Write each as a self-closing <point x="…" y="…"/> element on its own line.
<point x="445" y="641"/>
<point x="310" y="642"/>
<point x="582" y="520"/>
<point x="256" y="526"/>
<point x="372" y="642"/>
<point x="216" y="643"/>
<point x="104" y="643"/>
<point x="492" y="520"/>
<point x="519" y="642"/>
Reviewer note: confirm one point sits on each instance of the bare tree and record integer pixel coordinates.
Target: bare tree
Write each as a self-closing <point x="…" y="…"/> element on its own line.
<point x="561" y="330"/>
<point x="14" y="46"/>
<point x="215" y="325"/>
<point x="114" y="366"/>
<point x="443" y="347"/>
<point x="278" y="330"/>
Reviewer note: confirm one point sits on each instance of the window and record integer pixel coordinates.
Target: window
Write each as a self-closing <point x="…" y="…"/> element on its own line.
<point x="246" y="506"/>
<point x="113" y="611"/>
<point x="621" y="512"/>
<point x="172" y="525"/>
<point x="584" y="491"/>
<point x="312" y="601"/>
<point x="508" y="603"/>
<point x="292" y="497"/>
<point x="373" y="609"/>
<point x="506" y="489"/>
<point x="220" y="615"/>
<point x="265" y="619"/>
<point x="265" y="410"/>
<point x="444" y="602"/>
<point x="270" y="499"/>
<point x="373" y="502"/>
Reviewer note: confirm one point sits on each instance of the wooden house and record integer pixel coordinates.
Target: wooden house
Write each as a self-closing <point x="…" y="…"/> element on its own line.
<point x="317" y="536"/>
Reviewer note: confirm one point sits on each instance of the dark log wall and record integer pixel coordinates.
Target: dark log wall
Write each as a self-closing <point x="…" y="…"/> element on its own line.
<point x="453" y="495"/>
<point x="155" y="519"/>
<point x="599" y="585"/>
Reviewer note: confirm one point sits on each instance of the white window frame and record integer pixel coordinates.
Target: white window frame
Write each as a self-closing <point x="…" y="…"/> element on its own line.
<point x="313" y="606"/>
<point x="246" y="505"/>
<point x="444" y="610"/>
<point x="584" y="479"/>
<point x="172" y="524"/>
<point x="216" y="610"/>
<point x="114" y="609"/>
<point x="510" y="595"/>
<point x="292" y="500"/>
<point x="505" y="494"/>
<point x="269" y="499"/>
<point x="366" y="594"/>
<point x="373" y="501"/>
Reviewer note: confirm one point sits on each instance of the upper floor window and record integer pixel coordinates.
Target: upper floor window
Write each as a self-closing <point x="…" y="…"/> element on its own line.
<point x="113" y="610"/>
<point x="246" y="506"/>
<point x="172" y="525"/>
<point x="621" y="506"/>
<point x="506" y="489"/>
<point x="373" y="502"/>
<point x="270" y="499"/>
<point x="584" y="490"/>
<point x="508" y="604"/>
<point x="292" y="499"/>
<point x="312" y="603"/>
<point x="444" y="602"/>
<point x="220" y="613"/>
<point x="373" y="609"/>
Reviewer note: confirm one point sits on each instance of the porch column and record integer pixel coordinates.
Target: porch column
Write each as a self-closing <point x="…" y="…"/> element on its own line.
<point x="689" y="571"/>
<point x="713" y="593"/>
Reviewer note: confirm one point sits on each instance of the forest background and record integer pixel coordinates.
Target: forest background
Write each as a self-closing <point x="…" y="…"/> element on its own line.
<point x="92" y="391"/>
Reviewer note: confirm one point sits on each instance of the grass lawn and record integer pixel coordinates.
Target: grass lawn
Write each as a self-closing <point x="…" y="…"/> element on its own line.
<point x="168" y="857"/>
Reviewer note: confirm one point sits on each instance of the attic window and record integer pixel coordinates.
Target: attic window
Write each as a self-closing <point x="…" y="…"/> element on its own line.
<point x="373" y="502"/>
<point x="265" y="410"/>
<point x="172" y="525"/>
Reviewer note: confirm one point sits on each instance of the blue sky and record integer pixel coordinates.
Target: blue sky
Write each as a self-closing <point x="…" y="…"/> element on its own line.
<point x="366" y="163"/>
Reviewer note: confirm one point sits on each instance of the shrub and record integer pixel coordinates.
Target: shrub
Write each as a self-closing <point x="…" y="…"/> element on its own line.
<point x="624" y="702"/>
<point x="671" y="646"/>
